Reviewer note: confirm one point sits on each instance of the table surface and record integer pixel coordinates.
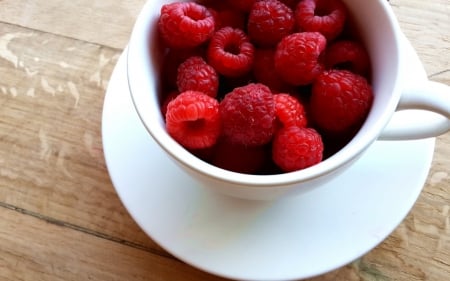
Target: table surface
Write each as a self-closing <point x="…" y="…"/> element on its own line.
<point x="60" y="217"/>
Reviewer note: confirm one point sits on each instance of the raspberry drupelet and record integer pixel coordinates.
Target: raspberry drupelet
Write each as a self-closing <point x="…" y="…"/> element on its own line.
<point x="230" y="52"/>
<point x="289" y="111"/>
<point x="296" y="148"/>
<point x="325" y="16"/>
<point x="185" y="24"/>
<point x="340" y="101"/>
<point x="193" y="120"/>
<point x="298" y="57"/>
<point x="248" y="115"/>
<point x="348" y="54"/>
<point x="269" y="21"/>
<point x="196" y="75"/>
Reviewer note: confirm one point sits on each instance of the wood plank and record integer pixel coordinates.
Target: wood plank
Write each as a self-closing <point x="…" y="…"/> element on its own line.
<point x="33" y="249"/>
<point x="107" y="23"/>
<point x="57" y="173"/>
<point x="428" y="27"/>
<point x="419" y="249"/>
<point x="51" y="157"/>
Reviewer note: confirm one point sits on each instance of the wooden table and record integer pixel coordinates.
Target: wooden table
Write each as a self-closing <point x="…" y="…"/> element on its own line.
<point x="60" y="217"/>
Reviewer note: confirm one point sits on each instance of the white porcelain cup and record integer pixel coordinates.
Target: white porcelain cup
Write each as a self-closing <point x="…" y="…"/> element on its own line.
<point x="383" y="38"/>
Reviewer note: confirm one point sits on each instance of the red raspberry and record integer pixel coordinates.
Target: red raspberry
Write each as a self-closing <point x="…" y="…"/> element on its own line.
<point x="269" y="21"/>
<point x="265" y="73"/>
<point x="296" y="148"/>
<point x="185" y="24"/>
<point x="340" y="101"/>
<point x="289" y="111"/>
<point x="239" y="158"/>
<point x="242" y="5"/>
<point x="350" y="55"/>
<point x="248" y="115"/>
<point x="193" y="120"/>
<point x="297" y="58"/>
<point x="230" y="52"/>
<point x="325" y="16"/>
<point x="196" y="75"/>
<point x="172" y="60"/>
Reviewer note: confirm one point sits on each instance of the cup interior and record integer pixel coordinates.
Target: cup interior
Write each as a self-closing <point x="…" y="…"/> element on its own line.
<point x="378" y="30"/>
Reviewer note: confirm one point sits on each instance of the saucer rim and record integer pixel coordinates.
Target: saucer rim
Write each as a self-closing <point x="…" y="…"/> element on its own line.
<point x="137" y="218"/>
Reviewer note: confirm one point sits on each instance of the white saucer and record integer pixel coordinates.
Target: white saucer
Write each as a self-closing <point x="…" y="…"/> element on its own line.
<point x="288" y="239"/>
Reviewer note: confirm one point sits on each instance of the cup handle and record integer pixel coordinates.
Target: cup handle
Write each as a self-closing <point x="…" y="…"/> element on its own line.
<point x="430" y="102"/>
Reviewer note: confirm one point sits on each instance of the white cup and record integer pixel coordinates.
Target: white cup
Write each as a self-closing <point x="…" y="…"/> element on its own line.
<point x="383" y="38"/>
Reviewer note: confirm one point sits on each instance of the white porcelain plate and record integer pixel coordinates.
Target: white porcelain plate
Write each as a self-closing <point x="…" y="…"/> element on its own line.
<point x="293" y="238"/>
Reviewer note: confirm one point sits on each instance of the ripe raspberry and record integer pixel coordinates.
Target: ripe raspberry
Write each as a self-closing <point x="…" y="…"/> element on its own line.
<point x="241" y="5"/>
<point x="350" y="55"/>
<point x="248" y="115"/>
<point x="265" y="73"/>
<point x="172" y="60"/>
<point x="196" y="75"/>
<point x="296" y="148"/>
<point x="193" y="120"/>
<point x="269" y="21"/>
<point x="230" y="52"/>
<point x="297" y="57"/>
<point x="289" y="111"/>
<point x="185" y="24"/>
<point x="325" y="16"/>
<point x="239" y="158"/>
<point x="340" y="101"/>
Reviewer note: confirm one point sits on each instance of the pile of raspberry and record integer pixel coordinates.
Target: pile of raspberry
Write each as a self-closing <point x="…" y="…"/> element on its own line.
<point x="262" y="86"/>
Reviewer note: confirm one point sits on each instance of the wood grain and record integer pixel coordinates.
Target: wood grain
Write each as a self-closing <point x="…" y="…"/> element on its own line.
<point x="32" y="249"/>
<point x="60" y="218"/>
<point x="51" y="158"/>
<point x="106" y="23"/>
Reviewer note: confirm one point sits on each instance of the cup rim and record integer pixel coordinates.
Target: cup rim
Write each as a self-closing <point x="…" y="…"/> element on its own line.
<point x="138" y="65"/>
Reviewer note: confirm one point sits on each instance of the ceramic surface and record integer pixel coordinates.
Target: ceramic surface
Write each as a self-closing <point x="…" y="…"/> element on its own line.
<point x="291" y="238"/>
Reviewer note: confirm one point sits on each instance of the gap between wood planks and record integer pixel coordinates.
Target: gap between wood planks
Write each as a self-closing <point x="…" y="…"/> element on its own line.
<point x="120" y="50"/>
<point x="84" y="230"/>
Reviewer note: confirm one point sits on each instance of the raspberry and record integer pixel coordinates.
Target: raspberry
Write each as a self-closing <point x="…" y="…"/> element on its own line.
<point x="296" y="148"/>
<point x="242" y="5"/>
<point x="230" y="52"/>
<point x="265" y="73"/>
<point x="185" y="24"/>
<point x="248" y="115"/>
<point x="172" y="60"/>
<point x="193" y="120"/>
<point x="239" y="158"/>
<point x="340" y="101"/>
<point x="196" y="75"/>
<point x="289" y="111"/>
<point x="325" y="16"/>
<point x="269" y="21"/>
<point x="350" y="55"/>
<point x="297" y="57"/>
